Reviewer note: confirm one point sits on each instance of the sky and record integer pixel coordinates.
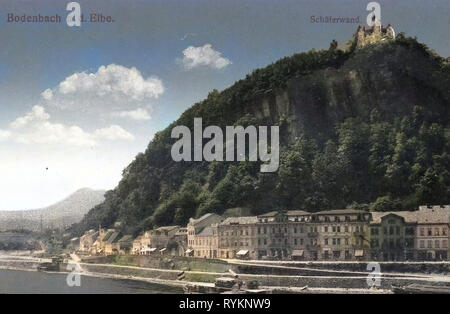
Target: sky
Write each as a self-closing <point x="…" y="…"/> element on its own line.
<point x="78" y="103"/>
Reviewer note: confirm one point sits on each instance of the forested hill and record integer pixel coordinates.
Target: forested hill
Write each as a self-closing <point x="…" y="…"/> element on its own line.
<point x="362" y="127"/>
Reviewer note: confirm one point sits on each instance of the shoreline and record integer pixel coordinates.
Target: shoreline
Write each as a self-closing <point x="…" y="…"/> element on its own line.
<point x="177" y="283"/>
<point x="346" y="281"/>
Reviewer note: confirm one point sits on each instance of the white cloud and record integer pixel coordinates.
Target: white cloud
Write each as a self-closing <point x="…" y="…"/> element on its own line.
<point x="35" y="128"/>
<point x="36" y="114"/>
<point x="113" y="79"/>
<point x="112" y="133"/>
<point x="47" y="94"/>
<point x="85" y="96"/>
<point x="137" y="114"/>
<point x="4" y="135"/>
<point x="203" y="56"/>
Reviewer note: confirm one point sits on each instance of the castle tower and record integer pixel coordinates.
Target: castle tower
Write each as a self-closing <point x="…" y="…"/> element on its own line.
<point x="390" y="32"/>
<point x="360" y="36"/>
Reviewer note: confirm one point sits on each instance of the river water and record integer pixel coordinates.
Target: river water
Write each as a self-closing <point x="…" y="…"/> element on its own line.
<point x="14" y="281"/>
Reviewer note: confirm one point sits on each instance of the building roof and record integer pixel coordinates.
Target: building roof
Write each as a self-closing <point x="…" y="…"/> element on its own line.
<point x="193" y="221"/>
<point x="347" y="211"/>
<point x="409" y="217"/>
<point x="206" y="232"/>
<point x="425" y="215"/>
<point x="94" y="235"/>
<point x="297" y="213"/>
<point x="240" y="220"/>
<point x="106" y="235"/>
<point x="113" y="237"/>
<point x="434" y="207"/>
<point x="126" y="238"/>
<point x="181" y="231"/>
<point x="288" y="213"/>
<point x="167" y="228"/>
<point x="433" y="215"/>
<point x="269" y="214"/>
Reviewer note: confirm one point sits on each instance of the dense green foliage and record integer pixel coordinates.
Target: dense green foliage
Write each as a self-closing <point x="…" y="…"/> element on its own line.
<point x="367" y="128"/>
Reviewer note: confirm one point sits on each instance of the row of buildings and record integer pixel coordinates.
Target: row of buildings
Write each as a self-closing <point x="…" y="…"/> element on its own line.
<point x="342" y="235"/>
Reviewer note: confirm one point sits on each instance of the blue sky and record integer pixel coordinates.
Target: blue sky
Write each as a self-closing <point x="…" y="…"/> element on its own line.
<point x="150" y="37"/>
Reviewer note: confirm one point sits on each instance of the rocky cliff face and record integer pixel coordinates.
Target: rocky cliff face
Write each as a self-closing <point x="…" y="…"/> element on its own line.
<point x="390" y="78"/>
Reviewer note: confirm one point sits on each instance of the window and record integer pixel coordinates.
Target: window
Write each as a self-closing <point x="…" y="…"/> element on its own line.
<point x="346" y="241"/>
<point x="430" y="244"/>
<point x="384" y="230"/>
<point x="409" y="231"/>
<point x="444" y="244"/>
<point x="326" y="241"/>
<point x="437" y="244"/>
<point x="374" y="231"/>
<point x="295" y="241"/>
<point x="391" y="230"/>
<point x="397" y="230"/>
<point x="325" y="229"/>
<point x="346" y="228"/>
<point x="301" y="241"/>
<point x="422" y="244"/>
<point x="338" y="228"/>
<point x="259" y="230"/>
<point x="334" y="241"/>
<point x="444" y="231"/>
<point x="295" y="230"/>
<point x="422" y="232"/>
<point x="334" y="228"/>
<point x="429" y="232"/>
<point x="436" y="231"/>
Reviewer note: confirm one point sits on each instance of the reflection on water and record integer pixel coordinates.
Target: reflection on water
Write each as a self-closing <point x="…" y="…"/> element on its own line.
<point x="12" y="281"/>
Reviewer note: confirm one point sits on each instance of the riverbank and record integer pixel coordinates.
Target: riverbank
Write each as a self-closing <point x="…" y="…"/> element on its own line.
<point x="276" y="277"/>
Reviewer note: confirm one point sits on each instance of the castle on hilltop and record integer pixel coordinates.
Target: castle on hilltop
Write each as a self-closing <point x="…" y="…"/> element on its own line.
<point x="377" y="33"/>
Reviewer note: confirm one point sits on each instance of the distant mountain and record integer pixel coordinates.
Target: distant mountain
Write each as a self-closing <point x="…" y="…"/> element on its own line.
<point x="64" y="213"/>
